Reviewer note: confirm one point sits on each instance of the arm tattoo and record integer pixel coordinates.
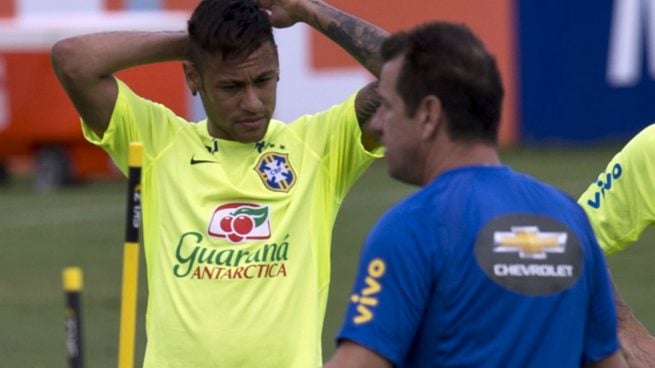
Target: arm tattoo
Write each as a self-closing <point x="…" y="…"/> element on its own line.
<point x="359" y="38"/>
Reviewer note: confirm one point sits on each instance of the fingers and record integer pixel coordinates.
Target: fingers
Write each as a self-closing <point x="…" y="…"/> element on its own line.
<point x="264" y="4"/>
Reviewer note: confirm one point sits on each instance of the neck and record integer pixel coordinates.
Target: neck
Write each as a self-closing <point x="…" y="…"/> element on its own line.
<point x="450" y="155"/>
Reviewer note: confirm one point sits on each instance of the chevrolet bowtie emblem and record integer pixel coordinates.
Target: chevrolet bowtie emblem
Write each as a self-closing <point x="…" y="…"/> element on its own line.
<point x="529" y="242"/>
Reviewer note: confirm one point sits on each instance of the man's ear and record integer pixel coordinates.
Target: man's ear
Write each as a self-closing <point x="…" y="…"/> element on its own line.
<point x="430" y="118"/>
<point x="192" y="76"/>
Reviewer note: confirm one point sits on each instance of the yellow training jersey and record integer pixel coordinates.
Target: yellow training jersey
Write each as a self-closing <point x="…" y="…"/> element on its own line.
<point x="620" y="203"/>
<point x="237" y="235"/>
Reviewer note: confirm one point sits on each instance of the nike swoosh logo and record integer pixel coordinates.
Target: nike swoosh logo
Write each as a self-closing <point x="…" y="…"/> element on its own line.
<point x="195" y="162"/>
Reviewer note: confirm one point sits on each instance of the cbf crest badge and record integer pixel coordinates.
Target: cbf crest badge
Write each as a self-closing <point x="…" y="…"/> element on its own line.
<point x="276" y="172"/>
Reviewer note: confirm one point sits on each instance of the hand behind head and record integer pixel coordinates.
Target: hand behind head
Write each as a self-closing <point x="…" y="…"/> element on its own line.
<point x="282" y="13"/>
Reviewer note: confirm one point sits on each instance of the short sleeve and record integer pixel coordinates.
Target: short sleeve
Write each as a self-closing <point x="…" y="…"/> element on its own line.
<point x="619" y="203"/>
<point x="601" y="326"/>
<point x="391" y="290"/>
<point x="135" y="119"/>
<point x="335" y="136"/>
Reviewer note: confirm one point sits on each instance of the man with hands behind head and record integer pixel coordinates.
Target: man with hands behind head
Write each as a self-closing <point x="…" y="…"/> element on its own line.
<point x="238" y="208"/>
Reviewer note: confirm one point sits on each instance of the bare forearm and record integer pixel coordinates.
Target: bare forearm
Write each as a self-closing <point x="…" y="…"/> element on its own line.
<point x="358" y="37"/>
<point x="629" y="325"/>
<point x="637" y="344"/>
<point x="85" y="66"/>
<point x="366" y="104"/>
<point x="102" y="54"/>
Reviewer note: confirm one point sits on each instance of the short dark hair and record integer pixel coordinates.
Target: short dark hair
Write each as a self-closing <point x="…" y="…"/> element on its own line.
<point x="230" y="28"/>
<point x="447" y="60"/>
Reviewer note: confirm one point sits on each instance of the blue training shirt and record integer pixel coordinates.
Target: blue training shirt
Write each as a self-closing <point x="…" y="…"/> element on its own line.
<point x="484" y="267"/>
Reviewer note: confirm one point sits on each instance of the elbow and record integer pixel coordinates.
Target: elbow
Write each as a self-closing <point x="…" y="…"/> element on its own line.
<point x="66" y="61"/>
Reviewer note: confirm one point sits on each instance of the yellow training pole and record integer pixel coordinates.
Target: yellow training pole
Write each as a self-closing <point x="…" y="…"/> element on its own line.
<point x="130" y="259"/>
<point x="72" y="283"/>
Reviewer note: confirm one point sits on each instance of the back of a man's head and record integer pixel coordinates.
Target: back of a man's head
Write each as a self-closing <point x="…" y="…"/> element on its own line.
<point x="447" y="60"/>
<point x="232" y="29"/>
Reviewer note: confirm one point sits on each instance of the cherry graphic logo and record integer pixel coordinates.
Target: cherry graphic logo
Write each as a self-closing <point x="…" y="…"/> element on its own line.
<point x="237" y="222"/>
<point x="237" y="227"/>
<point x="243" y="224"/>
<point x="226" y="223"/>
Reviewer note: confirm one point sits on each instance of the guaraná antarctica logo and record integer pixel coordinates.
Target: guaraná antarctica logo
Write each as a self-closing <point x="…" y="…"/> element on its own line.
<point x="237" y="222"/>
<point x="529" y="254"/>
<point x="276" y="172"/>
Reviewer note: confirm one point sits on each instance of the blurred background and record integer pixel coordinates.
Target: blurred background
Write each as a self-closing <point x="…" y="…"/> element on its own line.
<point x="579" y="77"/>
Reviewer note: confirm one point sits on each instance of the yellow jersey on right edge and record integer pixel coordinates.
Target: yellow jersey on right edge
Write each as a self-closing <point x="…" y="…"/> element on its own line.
<point x="620" y="203"/>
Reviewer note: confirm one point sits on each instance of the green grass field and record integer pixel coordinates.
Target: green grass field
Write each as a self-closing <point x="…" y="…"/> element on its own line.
<point x="84" y="225"/>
